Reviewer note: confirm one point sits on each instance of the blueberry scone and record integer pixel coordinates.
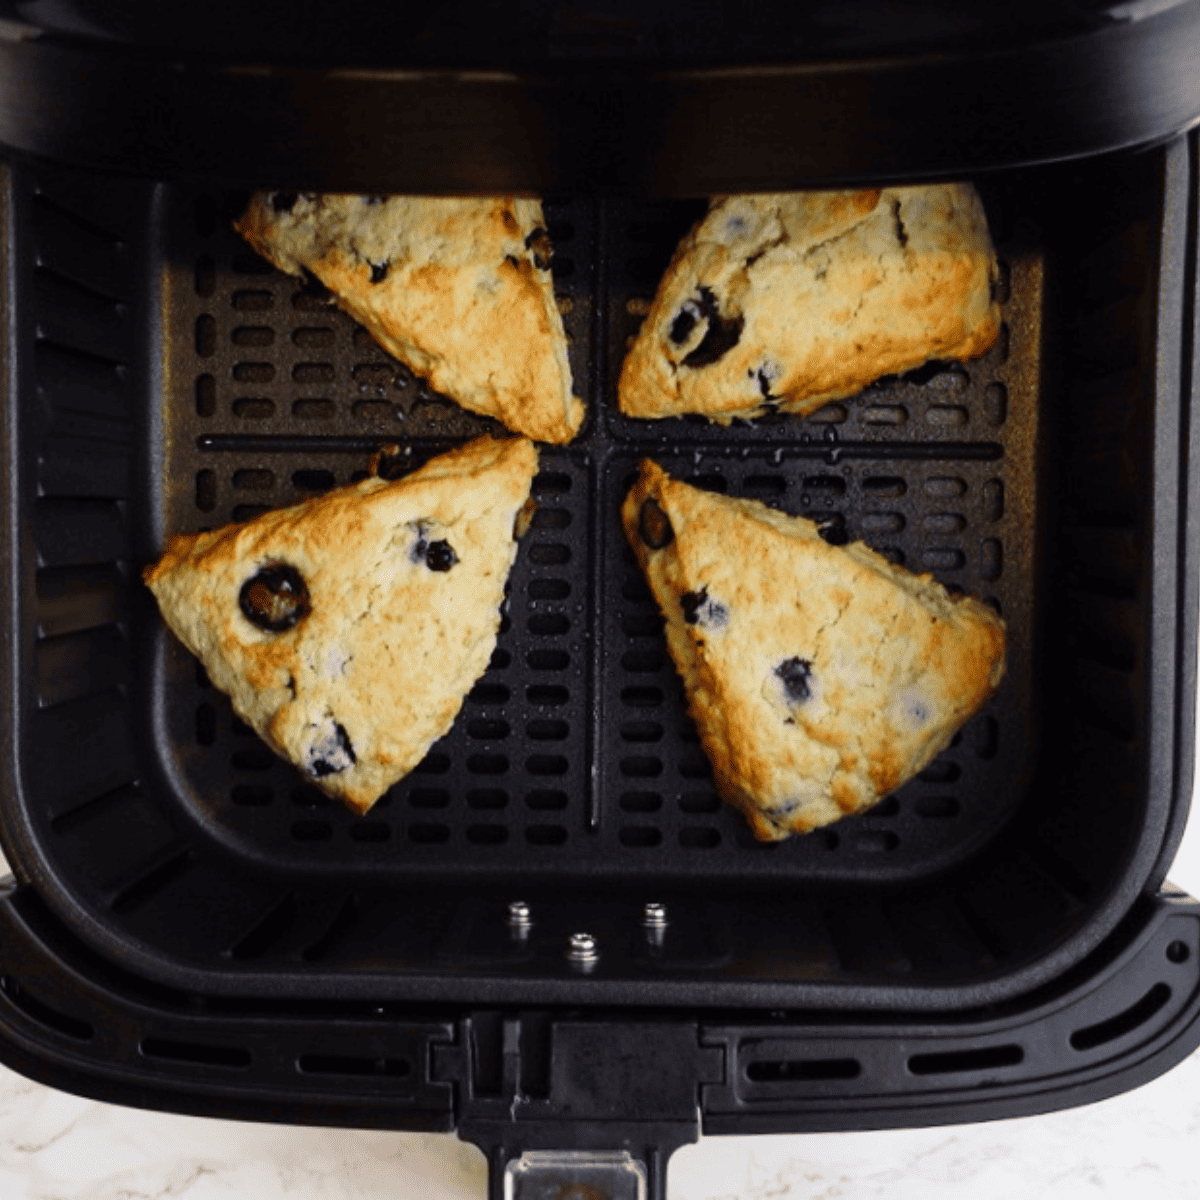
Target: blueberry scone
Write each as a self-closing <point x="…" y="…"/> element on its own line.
<point x="820" y="677"/>
<point x="459" y="289"/>
<point x="348" y="629"/>
<point x="787" y="301"/>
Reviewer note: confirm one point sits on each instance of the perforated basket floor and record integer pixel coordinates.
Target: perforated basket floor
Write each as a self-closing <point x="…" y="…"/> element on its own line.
<point x="575" y="746"/>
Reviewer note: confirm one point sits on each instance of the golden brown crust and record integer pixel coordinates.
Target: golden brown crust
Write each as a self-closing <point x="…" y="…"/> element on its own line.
<point x="391" y="646"/>
<point x="457" y="294"/>
<point x="831" y="289"/>
<point x="820" y="678"/>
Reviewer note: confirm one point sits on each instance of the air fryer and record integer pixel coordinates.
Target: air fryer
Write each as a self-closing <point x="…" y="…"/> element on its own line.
<point x="551" y="936"/>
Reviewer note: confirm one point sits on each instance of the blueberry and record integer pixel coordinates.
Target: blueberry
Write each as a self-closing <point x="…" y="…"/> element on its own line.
<point x="796" y="673"/>
<point x="331" y="753"/>
<point x="440" y="556"/>
<point x="722" y="334"/>
<point x="275" y="599"/>
<point x="283" y="202"/>
<point x="698" y="609"/>
<point x="684" y="323"/>
<point x="379" y="272"/>
<point x="543" y="252"/>
<point x="654" y="525"/>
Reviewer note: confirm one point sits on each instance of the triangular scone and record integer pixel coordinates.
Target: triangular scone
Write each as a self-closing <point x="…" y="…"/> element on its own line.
<point x="347" y="630"/>
<point x="459" y="289"/>
<point x="820" y="678"/>
<point x="787" y="301"/>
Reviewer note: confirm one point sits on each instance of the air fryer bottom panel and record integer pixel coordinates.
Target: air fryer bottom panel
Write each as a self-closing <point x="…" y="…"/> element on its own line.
<point x="574" y="753"/>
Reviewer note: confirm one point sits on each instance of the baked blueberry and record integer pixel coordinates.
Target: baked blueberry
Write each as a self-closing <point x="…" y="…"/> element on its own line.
<point x="379" y="272"/>
<point x="331" y="753"/>
<point x="722" y="334"/>
<point x="543" y="252"/>
<point x="440" y="556"/>
<point x="283" y="202"/>
<point x="654" y="526"/>
<point x="275" y="598"/>
<point x="699" y="609"/>
<point x="796" y="674"/>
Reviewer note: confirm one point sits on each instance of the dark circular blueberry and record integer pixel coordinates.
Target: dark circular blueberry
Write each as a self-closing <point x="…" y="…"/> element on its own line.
<point x="654" y="525"/>
<point x="795" y="673"/>
<point x="275" y="599"/>
<point x="379" y="272"/>
<point x="440" y="556"/>
<point x="283" y="201"/>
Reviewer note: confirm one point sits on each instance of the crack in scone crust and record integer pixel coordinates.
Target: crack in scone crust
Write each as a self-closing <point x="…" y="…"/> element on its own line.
<point x="789" y="301"/>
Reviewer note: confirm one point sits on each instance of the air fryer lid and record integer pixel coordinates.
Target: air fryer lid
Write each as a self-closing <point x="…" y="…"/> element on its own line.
<point x="669" y="98"/>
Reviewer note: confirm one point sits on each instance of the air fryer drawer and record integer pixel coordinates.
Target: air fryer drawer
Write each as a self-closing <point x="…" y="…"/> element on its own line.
<point x="171" y="380"/>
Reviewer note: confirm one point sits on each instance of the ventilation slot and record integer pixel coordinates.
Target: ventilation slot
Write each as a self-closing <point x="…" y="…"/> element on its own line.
<point x="550" y="554"/>
<point x="487" y="835"/>
<point x="644" y="836"/>
<point x="267" y="932"/>
<point x="342" y="923"/>
<point x="429" y="798"/>
<point x="43" y="1014"/>
<point x="370" y="831"/>
<point x="548" y="660"/>
<point x="143" y="890"/>
<point x="312" y="831"/>
<point x="345" y="1064"/>
<point x="488" y="729"/>
<point x="487" y="764"/>
<point x="487" y="798"/>
<point x="249" y="300"/>
<point x="960" y="1061"/>
<point x="427" y="834"/>
<point x="546" y="800"/>
<point x="549" y="625"/>
<point x="545" y="835"/>
<point x="803" y="1070"/>
<point x="1151" y="1003"/>
<point x="551" y="483"/>
<point x="547" y="731"/>
<point x="433" y="764"/>
<point x="884" y="485"/>
<point x="97" y="806"/>
<point x="199" y="1053"/>
<point x="549" y="589"/>
<point x="252" y="795"/>
<point x="253" y="758"/>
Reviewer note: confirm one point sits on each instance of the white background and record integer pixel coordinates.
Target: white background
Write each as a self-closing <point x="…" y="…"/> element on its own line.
<point x="59" y="1147"/>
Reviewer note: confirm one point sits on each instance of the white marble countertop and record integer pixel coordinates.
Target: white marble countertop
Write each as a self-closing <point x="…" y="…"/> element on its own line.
<point x="58" y="1147"/>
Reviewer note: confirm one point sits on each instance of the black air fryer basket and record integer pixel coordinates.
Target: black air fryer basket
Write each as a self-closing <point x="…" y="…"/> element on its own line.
<point x="552" y="936"/>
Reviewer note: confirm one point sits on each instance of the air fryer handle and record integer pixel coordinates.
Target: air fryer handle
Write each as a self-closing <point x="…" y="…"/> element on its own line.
<point x="637" y="1172"/>
<point x="571" y="1107"/>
